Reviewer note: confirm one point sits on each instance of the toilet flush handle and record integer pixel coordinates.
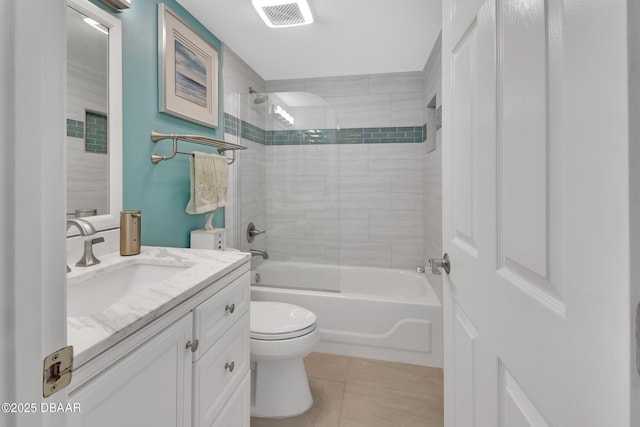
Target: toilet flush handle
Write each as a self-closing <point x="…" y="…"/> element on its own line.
<point x="230" y="366"/>
<point x="230" y="308"/>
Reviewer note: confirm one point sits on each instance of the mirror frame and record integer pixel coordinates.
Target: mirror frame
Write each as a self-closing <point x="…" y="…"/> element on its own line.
<point x="111" y="219"/>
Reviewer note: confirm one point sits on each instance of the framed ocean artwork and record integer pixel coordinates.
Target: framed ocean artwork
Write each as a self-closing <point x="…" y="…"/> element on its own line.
<point x="187" y="71"/>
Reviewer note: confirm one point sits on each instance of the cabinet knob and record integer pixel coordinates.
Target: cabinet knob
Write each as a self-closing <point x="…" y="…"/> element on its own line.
<point x="193" y="345"/>
<point x="230" y="366"/>
<point x="230" y="308"/>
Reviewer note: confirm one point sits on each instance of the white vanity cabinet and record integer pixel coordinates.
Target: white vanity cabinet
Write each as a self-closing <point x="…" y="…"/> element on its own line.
<point x="159" y="377"/>
<point x="150" y="386"/>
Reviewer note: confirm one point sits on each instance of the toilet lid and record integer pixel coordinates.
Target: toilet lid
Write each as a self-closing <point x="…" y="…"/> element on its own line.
<point x="279" y="320"/>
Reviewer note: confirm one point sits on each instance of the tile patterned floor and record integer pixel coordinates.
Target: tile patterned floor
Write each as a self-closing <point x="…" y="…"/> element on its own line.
<point x="354" y="392"/>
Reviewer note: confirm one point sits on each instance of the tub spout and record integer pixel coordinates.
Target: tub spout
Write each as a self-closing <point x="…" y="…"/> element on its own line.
<point x="263" y="254"/>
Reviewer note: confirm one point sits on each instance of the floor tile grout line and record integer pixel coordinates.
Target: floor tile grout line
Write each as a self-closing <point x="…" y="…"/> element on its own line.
<point x="349" y="360"/>
<point x="344" y="392"/>
<point x="377" y="389"/>
<point x="348" y="370"/>
<point x="394" y="389"/>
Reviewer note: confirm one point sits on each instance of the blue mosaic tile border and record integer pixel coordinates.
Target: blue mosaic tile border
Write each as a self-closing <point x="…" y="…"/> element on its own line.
<point x="231" y="124"/>
<point x="378" y="135"/>
<point x="393" y="135"/>
<point x="75" y="128"/>
<point x="237" y="127"/>
<point x="252" y="133"/>
<point x="96" y="139"/>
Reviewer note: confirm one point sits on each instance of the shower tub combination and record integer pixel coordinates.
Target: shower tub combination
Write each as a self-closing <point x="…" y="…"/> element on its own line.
<point x="368" y="312"/>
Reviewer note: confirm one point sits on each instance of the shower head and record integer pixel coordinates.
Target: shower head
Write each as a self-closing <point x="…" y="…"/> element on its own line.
<point x="260" y="97"/>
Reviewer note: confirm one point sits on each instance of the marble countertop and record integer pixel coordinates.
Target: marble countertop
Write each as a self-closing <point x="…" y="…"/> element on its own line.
<point x="92" y="334"/>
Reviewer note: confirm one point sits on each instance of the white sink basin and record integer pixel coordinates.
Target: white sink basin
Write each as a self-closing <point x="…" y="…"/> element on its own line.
<point x="99" y="291"/>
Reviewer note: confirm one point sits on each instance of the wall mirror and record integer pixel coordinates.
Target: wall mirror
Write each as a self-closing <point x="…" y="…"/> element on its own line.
<point x="94" y="115"/>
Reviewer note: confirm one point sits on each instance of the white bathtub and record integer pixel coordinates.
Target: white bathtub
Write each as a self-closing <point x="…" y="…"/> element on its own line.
<point x="365" y="312"/>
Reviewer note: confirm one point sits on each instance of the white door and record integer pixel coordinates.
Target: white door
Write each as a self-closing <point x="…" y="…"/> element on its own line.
<point x="32" y="205"/>
<point x="536" y="213"/>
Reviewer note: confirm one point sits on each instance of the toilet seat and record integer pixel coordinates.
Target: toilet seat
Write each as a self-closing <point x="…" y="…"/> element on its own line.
<point x="272" y="321"/>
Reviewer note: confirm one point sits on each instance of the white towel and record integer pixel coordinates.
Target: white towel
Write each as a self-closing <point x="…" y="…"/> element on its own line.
<point x="208" y="182"/>
<point x="222" y="178"/>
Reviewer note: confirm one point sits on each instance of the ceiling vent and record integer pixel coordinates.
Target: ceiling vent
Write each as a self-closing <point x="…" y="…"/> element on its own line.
<point x="283" y="13"/>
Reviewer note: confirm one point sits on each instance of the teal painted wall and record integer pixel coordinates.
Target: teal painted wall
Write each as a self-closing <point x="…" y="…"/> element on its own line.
<point x="161" y="191"/>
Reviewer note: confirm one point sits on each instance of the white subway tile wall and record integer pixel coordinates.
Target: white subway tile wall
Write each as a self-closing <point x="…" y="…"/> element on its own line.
<point x="346" y="204"/>
<point x="252" y="195"/>
<point x="87" y="172"/>
<point x="245" y="197"/>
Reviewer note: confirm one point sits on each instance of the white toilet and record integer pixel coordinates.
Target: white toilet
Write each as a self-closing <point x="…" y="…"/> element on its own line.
<point x="281" y="335"/>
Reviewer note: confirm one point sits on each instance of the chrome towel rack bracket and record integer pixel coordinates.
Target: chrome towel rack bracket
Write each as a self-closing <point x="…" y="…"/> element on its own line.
<point x="221" y="145"/>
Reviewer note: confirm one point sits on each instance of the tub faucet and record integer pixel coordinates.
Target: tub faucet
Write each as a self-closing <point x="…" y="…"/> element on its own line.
<point x="263" y="254"/>
<point x="85" y="228"/>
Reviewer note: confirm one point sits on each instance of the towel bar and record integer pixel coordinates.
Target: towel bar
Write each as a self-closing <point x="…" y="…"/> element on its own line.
<point x="222" y="146"/>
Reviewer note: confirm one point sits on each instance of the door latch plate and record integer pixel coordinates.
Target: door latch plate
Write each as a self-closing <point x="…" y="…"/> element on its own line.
<point x="57" y="369"/>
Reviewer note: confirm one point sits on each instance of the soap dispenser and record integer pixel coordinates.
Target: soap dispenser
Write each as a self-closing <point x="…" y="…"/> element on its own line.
<point x="130" y="226"/>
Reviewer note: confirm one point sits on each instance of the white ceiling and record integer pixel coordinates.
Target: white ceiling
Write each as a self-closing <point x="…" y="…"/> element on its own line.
<point x="347" y="37"/>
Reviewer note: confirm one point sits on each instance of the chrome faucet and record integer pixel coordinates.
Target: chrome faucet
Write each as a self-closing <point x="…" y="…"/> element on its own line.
<point x="86" y="229"/>
<point x="84" y="226"/>
<point x="263" y="254"/>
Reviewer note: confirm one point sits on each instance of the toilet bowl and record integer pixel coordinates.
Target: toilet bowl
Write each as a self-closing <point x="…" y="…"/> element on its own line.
<point x="281" y="335"/>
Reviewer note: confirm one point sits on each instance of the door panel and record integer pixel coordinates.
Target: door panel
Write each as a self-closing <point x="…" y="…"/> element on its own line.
<point x="461" y="14"/>
<point x="523" y="137"/>
<point x="464" y="74"/>
<point x="517" y="409"/>
<point x="464" y="335"/>
<point x="523" y="141"/>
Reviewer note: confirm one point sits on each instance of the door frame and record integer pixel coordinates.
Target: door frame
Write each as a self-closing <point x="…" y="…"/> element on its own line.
<point x="32" y="201"/>
<point x="633" y="30"/>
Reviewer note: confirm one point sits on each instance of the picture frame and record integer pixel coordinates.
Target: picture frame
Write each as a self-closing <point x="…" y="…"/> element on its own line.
<point x="187" y="71"/>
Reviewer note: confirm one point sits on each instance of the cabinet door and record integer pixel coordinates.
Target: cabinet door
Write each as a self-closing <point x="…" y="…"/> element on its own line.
<point x="237" y="411"/>
<point x="151" y="386"/>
